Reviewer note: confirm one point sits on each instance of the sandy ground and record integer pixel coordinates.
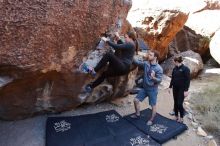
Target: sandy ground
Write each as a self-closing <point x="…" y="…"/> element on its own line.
<point x="31" y="132"/>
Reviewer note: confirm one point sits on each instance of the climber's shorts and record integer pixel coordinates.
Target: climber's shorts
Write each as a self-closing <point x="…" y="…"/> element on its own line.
<point x="151" y="94"/>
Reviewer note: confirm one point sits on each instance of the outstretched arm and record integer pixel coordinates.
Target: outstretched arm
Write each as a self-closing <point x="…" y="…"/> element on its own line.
<point x="138" y="63"/>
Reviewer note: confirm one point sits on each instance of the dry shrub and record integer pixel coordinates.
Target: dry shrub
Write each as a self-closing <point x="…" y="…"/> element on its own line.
<point x="207" y="106"/>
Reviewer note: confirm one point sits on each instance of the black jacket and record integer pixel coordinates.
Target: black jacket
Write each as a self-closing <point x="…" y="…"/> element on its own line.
<point x="180" y="77"/>
<point x="127" y="51"/>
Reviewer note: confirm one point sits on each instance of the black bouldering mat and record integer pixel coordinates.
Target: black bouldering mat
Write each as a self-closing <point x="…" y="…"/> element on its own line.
<point x="163" y="128"/>
<point x="131" y="138"/>
<point x="100" y="129"/>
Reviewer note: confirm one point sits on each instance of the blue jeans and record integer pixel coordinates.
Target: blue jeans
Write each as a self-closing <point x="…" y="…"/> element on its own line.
<point x="151" y="94"/>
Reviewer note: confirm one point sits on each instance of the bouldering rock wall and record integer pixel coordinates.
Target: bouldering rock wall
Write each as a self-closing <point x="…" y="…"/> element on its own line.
<point x="42" y="45"/>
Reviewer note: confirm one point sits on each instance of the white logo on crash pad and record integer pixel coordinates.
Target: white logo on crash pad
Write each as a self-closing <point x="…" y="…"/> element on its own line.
<point x="112" y="118"/>
<point x="158" y="128"/>
<point x="62" y="126"/>
<point x="139" y="141"/>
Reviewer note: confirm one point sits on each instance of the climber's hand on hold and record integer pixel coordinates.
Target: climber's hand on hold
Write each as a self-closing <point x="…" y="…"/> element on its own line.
<point x="105" y="39"/>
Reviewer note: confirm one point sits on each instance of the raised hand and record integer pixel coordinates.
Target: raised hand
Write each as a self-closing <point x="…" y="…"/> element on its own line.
<point x="104" y="39"/>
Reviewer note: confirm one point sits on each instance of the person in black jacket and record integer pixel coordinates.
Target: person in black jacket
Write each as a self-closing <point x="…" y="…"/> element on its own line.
<point x="180" y="82"/>
<point x="118" y="65"/>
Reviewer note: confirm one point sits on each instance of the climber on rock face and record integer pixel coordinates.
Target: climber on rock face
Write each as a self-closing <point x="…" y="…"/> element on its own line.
<point x="117" y="65"/>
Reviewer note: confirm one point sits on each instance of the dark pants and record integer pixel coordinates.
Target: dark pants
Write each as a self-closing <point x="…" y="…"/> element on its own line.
<point x="178" y="96"/>
<point x="115" y="68"/>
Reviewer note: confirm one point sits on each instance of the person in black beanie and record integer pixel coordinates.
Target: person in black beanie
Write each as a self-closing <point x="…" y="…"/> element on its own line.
<point x="180" y="82"/>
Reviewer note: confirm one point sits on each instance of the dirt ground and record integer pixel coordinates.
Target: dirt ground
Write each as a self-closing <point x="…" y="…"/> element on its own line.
<point x="31" y="132"/>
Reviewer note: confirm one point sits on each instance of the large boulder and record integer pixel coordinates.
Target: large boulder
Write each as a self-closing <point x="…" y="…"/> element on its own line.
<point x="210" y="5"/>
<point x="40" y="93"/>
<point x="126" y="27"/>
<point x="215" y="46"/>
<point x="212" y="63"/>
<point x="204" y="22"/>
<point x="187" y="39"/>
<point x="191" y="59"/>
<point x="42" y="45"/>
<point x="157" y="23"/>
<point x="51" y="35"/>
<point x="197" y="32"/>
